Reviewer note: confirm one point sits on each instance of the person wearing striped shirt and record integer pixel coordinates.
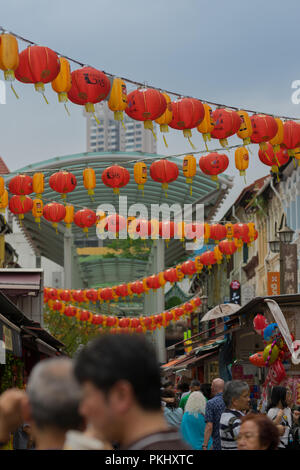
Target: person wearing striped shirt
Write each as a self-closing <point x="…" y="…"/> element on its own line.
<point x="236" y="397"/>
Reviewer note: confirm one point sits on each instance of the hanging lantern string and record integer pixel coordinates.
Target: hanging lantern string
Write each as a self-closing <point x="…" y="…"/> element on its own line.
<point x="142" y="84"/>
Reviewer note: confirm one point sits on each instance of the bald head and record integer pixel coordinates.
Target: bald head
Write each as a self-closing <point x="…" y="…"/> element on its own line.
<point x="217" y="386"/>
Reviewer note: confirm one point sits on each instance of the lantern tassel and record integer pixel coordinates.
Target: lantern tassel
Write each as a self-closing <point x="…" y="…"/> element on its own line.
<point x="165" y="141"/>
<point x="245" y="178"/>
<point x="45" y="98"/>
<point x="206" y="145"/>
<point x="191" y="190"/>
<point x="294" y="162"/>
<point x="278" y="179"/>
<point x="123" y="125"/>
<point x="154" y="135"/>
<point x="66" y="108"/>
<point x="267" y="156"/>
<point x="16" y="95"/>
<point x="191" y="143"/>
<point x="96" y="119"/>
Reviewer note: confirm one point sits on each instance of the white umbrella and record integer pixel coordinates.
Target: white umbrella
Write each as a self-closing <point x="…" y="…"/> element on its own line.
<point x="222" y="310"/>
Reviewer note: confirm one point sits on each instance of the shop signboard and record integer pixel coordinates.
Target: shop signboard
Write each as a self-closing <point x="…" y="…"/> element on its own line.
<point x="273" y="283"/>
<point x="235" y="292"/>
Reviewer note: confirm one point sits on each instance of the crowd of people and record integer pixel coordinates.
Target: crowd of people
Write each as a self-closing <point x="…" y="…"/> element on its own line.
<point x="111" y="397"/>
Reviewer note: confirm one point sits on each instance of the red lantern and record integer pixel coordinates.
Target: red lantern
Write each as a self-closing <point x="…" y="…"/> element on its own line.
<point x="85" y="218"/>
<point x="115" y="223"/>
<point x="20" y="185"/>
<point x="142" y="227"/>
<point x="194" y="231"/>
<point x="146" y="104"/>
<point x="57" y="306"/>
<point x="227" y="247"/>
<point x="139" y="329"/>
<point x="188" y="113"/>
<point x="124" y="322"/>
<point x="147" y="321"/>
<point x="169" y="316"/>
<point x="178" y="312"/>
<point x="122" y="290"/>
<point x="170" y="275"/>
<point x="268" y="157"/>
<point x="208" y="259"/>
<point x="188" y="268"/>
<point x="240" y="230"/>
<point x="137" y="287"/>
<point x="65" y="295"/>
<point x="135" y="323"/>
<point x="259" y="324"/>
<point x="111" y="321"/>
<point x="97" y="319"/>
<point x="52" y="294"/>
<point x="78" y="296"/>
<point x="213" y="164"/>
<point x="153" y="282"/>
<point x="197" y="301"/>
<point x="264" y="128"/>
<point x="291" y="136"/>
<point x="227" y="123"/>
<point x="158" y="319"/>
<point x="188" y="307"/>
<point x="116" y="177"/>
<point x="92" y="295"/>
<point x="38" y="65"/>
<point x="70" y="311"/>
<point x="106" y="294"/>
<point x="54" y="212"/>
<point x="19" y="205"/>
<point x="84" y="315"/>
<point x="167" y="230"/>
<point x="89" y="86"/>
<point x="63" y="182"/>
<point x="164" y="171"/>
<point x="217" y="232"/>
<point x="248" y="240"/>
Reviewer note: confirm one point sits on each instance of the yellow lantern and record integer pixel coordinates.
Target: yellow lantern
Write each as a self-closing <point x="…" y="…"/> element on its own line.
<point x="165" y="118"/>
<point x="229" y="228"/>
<point x="2" y="186"/>
<point x="146" y="288"/>
<point x="207" y="125"/>
<point x="238" y="243"/>
<point x="206" y="233"/>
<point x="4" y="201"/>
<point x="38" y="184"/>
<point x="252" y="231"/>
<point x="189" y="168"/>
<point x="245" y="130"/>
<point x="118" y="99"/>
<point x="278" y="139"/>
<point x="140" y="175"/>
<point x="37" y="210"/>
<point x="69" y="217"/>
<point x="89" y="180"/>
<point x="179" y="272"/>
<point x="63" y="82"/>
<point x="296" y="154"/>
<point x="198" y="264"/>
<point x="218" y="254"/>
<point x="162" y="280"/>
<point x="9" y="57"/>
<point x="241" y="156"/>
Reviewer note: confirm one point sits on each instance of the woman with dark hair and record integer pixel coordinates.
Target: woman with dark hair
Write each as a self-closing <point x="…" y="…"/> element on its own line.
<point x="173" y="414"/>
<point x="280" y="413"/>
<point x="206" y="390"/>
<point x="257" y="432"/>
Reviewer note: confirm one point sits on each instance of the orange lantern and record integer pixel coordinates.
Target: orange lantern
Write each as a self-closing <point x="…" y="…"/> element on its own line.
<point x="241" y="156"/>
<point x="146" y="104"/>
<point x="63" y="182"/>
<point x="85" y="218"/>
<point x="4" y="201"/>
<point x="89" y="180"/>
<point x="69" y="217"/>
<point x="218" y="254"/>
<point x="89" y="86"/>
<point x="38" y="184"/>
<point x="118" y="100"/>
<point x="20" y="205"/>
<point x="38" y="65"/>
<point x="9" y="57"/>
<point x="140" y="174"/>
<point x="189" y="167"/>
<point x="63" y="82"/>
<point x="213" y="164"/>
<point x="164" y="171"/>
<point x="227" y="123"/>
<point x="229" y="230"/>
<point x="20" y="185"/>
<point x="207" y="125"/>
<point x="115" y="177"/>
<point x="54" y="212"/>
<point x="2" y="186"/>
<point x="245" y="130"/>
<point x="165" y="118"/>
<point x="188" y="113"/>
<point x="264" y="128"/>
<point x="37" y="210"/>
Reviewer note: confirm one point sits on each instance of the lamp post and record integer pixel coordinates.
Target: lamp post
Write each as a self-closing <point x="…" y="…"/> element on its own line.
<point x="283" y="237"/>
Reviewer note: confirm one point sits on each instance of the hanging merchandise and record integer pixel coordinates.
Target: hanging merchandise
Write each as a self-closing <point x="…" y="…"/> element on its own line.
<point x="188" y="113"/>
<point x="9" y="57"/>
<point x="54" y="212"/>
<point x="264" y="129"/>
<point x="89" y="86"/>
<point x="115" y="177"/>
<point x="63" y="82"/>
<point x="69" y="217"/>
<point x="213" y="164"/>
<point x="37" y="210"/>
<point x="85" y="218"/>
<point x="165" y="118"/>
<point x="19" y="205"/>
<point x="164" y="171"/>
<point x="207" y="125"/>
<point x="63" y="182"/>
<point x="241" y="157"/>
<point x="245" y="130"/>
<point x="146" y="104"/>
<point x="118" y="100"/>
<point x="89" y="181"/>
<point x="227" y="123"/>
<point x="38" y="184"/>
<point x="189" y="168"/>
<point x="20" y="185"/>
<point x="38" y="65"/>
<point x="140" y="175"/>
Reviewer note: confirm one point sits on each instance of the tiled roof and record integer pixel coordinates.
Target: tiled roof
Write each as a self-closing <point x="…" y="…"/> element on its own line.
<point x="3" y="168"/>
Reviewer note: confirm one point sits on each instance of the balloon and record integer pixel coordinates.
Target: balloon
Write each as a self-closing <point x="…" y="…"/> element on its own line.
<point x="257" y="359"/>
<point x="270" y="353"/>
<point x="276" y="373"/>
<point x="271" y="333"/>
<point x="260" y="323"/>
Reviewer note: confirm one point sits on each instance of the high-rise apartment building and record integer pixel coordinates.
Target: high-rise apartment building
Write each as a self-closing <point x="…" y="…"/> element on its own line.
<point x="111" y="135"/>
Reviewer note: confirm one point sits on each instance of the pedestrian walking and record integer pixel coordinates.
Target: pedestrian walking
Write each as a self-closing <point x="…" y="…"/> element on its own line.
<point x="195" y="386"/>
<point x="193" y="422"/>
<point x="214" y="408"/>
<point x="173" y="414"/>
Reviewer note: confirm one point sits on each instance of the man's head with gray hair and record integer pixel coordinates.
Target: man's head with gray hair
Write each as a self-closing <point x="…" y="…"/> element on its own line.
<point x="236" y="395"/>
<point x="54" y="395"/>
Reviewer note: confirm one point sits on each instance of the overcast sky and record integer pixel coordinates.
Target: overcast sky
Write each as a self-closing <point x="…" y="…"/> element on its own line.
<point x="243" y="54"/>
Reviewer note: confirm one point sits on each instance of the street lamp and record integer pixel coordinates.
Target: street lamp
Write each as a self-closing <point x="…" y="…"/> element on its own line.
<point x="284" y="236"/>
